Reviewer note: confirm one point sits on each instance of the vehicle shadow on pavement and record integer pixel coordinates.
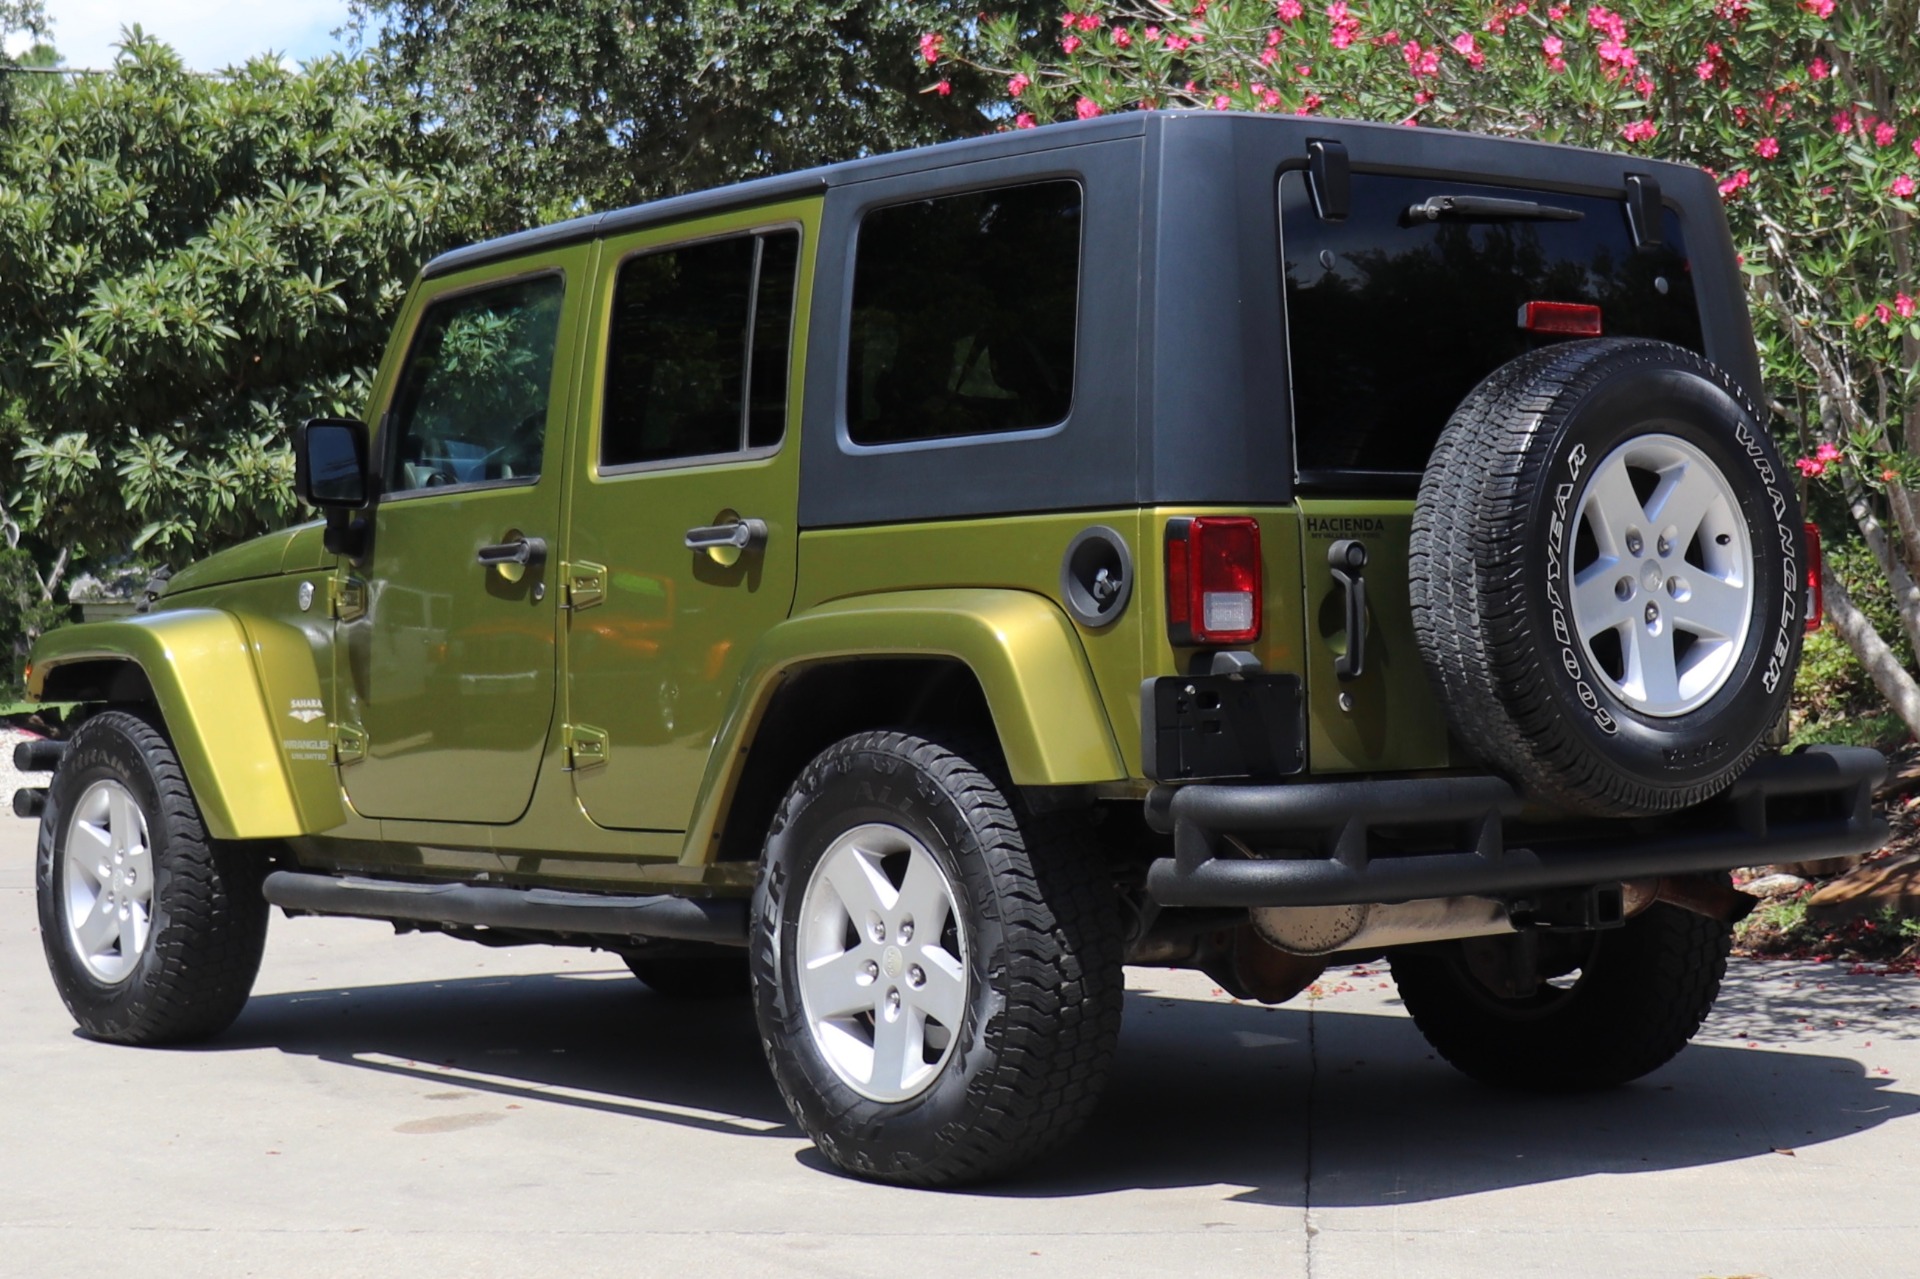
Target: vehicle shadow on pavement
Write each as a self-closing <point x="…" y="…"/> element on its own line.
<point x="1299" y="1104"/>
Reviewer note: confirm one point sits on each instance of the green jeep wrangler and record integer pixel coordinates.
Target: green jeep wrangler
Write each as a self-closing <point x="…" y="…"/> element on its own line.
<point x="913" y="589"/>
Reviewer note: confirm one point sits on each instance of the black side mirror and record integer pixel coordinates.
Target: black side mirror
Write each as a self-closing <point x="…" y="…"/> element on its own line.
<point x="330" y="464"/>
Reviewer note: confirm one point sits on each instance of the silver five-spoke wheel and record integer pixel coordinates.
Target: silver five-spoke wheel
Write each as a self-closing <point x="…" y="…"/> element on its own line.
<point x="109" y="881"/>
<point x="1663" y="575"/>
<point x="883" y="962"/>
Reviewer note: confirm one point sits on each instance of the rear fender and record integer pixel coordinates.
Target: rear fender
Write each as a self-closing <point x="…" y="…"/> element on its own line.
<point x="1047" y="714"/>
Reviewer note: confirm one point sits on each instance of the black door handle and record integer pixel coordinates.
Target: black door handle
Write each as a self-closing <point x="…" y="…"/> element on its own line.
<point x="527" y="552"/>
<point x="740" y="535"/>
<point x="1346" y="558"/>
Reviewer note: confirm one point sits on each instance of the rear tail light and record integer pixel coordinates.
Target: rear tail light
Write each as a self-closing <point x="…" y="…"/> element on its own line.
<point x="1816" y="597"/>
<point x="1213" y="580"/>
<point x="1574" y="319"/>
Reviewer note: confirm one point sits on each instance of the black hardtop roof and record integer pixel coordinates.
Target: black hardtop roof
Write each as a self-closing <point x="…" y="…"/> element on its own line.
<point x="1402" y="142"/>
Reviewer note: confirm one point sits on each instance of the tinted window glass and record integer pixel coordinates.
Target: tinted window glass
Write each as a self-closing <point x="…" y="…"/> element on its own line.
<point x="963" y="314"/>
<point x="472" y="401"/>
<point x="684" y="324"/>
<point x="1393" y="321"/>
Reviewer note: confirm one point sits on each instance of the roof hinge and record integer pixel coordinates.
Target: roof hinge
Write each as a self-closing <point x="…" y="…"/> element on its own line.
<point x="349" y="744"/>
<point x="346" y="598"/>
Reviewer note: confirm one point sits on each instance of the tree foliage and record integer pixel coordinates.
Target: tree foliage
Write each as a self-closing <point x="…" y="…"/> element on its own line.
<point x="188" y="264"/>
<point x="601" y="103"/>
<point x="1803" y="109"/>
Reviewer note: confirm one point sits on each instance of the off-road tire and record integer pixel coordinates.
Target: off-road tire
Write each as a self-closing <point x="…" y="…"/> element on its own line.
<point x="1491" y="568"/>
<point x="208" y="917"/>
<point x="1043" y="955"/>
<point x="1640" y="997"/>
<point x="693" y="977"/>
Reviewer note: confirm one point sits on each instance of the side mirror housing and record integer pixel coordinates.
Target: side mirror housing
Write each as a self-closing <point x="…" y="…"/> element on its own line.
<point x="330" y="465"/>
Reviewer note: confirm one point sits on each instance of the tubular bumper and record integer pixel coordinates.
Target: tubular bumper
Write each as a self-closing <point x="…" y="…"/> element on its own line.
<point x="1345" y="841"/>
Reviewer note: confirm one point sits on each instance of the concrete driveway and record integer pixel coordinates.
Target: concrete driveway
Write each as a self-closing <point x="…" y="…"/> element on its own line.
<point x="407" y="1105"/>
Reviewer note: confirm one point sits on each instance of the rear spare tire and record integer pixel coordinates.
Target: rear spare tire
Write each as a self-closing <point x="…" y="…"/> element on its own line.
<point x="1606" y="565"/>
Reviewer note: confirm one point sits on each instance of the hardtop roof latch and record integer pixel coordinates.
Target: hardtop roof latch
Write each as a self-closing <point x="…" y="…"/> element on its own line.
<point x="1329" y="173"/>
<point x="1643" y="210"/>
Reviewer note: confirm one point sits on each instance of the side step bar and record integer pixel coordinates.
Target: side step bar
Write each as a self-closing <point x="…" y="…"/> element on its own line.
<point x="536" y="910"/>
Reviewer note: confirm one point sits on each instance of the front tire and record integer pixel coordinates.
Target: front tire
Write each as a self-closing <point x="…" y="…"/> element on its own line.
<point x="153" y="931"/>
<point x="936" y="972"/>
<point x="1608" y="1007"/>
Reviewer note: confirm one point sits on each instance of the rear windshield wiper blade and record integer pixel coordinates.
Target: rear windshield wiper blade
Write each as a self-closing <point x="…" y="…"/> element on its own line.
<point x="1482" y="208"/>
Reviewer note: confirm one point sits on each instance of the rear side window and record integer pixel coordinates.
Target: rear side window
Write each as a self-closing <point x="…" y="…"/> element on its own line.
<point x="697" y="351"/>
<point x="964" y="315"/>
<point x="471" y="407"/>
<point x="1393" y="320"/>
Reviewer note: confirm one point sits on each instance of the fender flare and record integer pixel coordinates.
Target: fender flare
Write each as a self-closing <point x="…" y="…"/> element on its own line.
<point x="199" y="665"/>
<point x="1047" y="712"/>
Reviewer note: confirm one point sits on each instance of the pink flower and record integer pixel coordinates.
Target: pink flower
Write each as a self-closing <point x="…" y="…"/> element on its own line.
<point x="1882" y="312"/>
<point x="1023" y="121"/>
<point x="1178" y="44"/>
<point x="1269" y="56"/>
<point x="1644" y="87"/>
<point x="1640" y="131"/>
<point x="1705" y="69"/>
<point x="1288" y="10"/>
<point x="1269" y="98"/>
<point x="1152" y="34"/>
<point x="1069" y="44"/>
<point x="1809" y="467"/>
<point x="1556" y="64"/>
<point x="1902" y="186"/>
<point x="930" y="43"/>
<point x="1613" y="51"/>
<point x="1819" y="69"/>
<point x="1308" y="107"/>
<point x="1221" y="102"/>
<point x="1729" y="186"/>
<point x="1553" y="46"/>
<point x="1822" y="9"/>
<point x="1604" y="20"/>
<point x="1767" y="148"/>
<point x="1556" y="12"/>
<point x="1017" y="85"/>
<point x="1086" y="108"/>
<point x="944" y="88"/>
<point x="1423" y="97"/>
<point x="1883" y="136"/>
<point x="1843" y="122"/>
<point x="1091" y="21"/>
<point x="1122" y="38"/>
<point x="1464" y="45"/>
<point x="1826" y="453"/>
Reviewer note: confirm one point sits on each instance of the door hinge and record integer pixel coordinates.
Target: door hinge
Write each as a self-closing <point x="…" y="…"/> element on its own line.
<point x="346" y="598"/>
<point x="586" y="584"/>
<point x="586" y="746"/>
<point x="349" y="744"/>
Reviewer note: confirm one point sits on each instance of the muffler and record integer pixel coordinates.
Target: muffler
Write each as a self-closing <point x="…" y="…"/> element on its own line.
<point x="1323" y="930"/>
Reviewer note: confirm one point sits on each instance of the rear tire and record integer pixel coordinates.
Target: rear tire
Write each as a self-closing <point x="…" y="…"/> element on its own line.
<point x="153" y="930"/>
<point x="936" y="971"/>
<point x="1641" y="993"/>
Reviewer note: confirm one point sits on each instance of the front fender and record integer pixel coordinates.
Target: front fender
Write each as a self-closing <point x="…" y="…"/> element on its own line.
<point x="1046" y="709"/>
<point x="199" y="665"/>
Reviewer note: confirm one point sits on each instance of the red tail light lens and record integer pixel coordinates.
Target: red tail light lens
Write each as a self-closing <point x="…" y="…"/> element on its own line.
<point x="1575" y="319"/>
<point x="1213" y="580"/>
<point x="1816" y="597"/>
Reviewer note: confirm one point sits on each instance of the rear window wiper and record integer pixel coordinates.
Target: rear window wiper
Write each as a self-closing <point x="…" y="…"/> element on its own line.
<point x="1482" y="208"/>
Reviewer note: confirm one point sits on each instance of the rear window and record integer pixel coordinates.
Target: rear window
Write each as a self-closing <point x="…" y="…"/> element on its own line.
<point x="1393" y="320"/>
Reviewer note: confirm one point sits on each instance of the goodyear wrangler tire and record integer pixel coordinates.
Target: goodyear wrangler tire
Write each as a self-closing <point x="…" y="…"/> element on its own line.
<point x="936" y="971"/>
<point x="153" y="930"/>
<point x="1606" y="576"/>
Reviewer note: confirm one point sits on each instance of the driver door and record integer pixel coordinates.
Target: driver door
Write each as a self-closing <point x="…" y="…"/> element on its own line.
<point x="447" y="638"/>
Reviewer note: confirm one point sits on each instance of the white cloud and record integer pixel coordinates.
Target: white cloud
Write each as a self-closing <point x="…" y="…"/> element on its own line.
<point x="207" y="34"/>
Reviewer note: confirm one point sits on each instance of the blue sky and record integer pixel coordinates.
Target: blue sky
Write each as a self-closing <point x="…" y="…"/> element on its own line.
<point x="208" y="34"/>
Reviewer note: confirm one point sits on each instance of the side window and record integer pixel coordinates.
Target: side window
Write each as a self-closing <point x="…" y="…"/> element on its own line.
<point x="698" y="350"/>
<point x="964" y="314"/>
<point x="472" y="402"/>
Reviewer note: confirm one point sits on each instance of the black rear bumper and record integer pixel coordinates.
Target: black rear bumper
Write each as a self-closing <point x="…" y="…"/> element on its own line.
<point x="1400" y="839"/>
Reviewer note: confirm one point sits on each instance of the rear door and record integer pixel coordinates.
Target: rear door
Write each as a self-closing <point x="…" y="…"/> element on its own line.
<point x="1392" y="320"/>
<point x="683" y="539"/>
